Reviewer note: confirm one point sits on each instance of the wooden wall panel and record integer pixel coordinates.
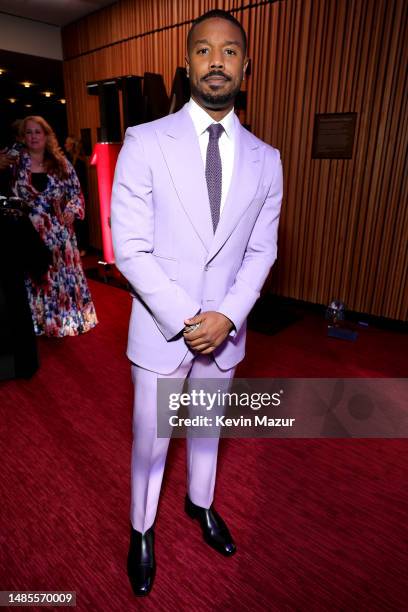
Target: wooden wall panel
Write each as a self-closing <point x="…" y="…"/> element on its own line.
<point x="130" y="18"/>
<point x="344" y="222"/>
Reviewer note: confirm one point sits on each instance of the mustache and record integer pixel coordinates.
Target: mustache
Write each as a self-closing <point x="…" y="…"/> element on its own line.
<point x="216" y="73"/>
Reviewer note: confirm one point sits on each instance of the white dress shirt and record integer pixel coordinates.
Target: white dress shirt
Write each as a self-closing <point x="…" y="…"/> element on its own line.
<point x="202" y="120"/>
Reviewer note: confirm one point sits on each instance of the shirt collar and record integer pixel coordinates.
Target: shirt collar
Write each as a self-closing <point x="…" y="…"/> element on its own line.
<point x="202" y="120"/>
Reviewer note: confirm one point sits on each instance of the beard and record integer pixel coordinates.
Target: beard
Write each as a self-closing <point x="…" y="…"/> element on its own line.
<point x="215" y="101"/>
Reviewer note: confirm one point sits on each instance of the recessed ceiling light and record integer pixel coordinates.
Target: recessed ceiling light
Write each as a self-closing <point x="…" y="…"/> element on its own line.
<point x="12" y="100"/>
<point x="28" y="105"/>
<point x="63" y="100"/>
<point x="26" y="84"/>
<point x="2" y="71"/>
<point x="47" y="94"/>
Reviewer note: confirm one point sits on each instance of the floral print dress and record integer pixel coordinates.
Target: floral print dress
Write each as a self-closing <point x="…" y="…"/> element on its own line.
<point x="61" y="305"/>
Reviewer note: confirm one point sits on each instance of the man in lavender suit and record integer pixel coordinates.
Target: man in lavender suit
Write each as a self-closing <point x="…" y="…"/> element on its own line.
<point x="195" y="210"/>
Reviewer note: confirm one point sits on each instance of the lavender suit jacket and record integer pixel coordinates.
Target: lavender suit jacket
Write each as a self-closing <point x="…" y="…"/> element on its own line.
<point x="165" y="245"/>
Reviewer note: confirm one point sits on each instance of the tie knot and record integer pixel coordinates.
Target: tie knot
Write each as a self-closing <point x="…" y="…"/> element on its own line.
<point x="215" y="130"/>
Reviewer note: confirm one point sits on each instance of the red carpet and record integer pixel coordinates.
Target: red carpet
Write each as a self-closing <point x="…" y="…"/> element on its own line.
<point x="320" y="524"/>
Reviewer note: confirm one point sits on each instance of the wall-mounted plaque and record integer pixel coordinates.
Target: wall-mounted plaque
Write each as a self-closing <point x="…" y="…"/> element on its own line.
<point x="333" y="136"/>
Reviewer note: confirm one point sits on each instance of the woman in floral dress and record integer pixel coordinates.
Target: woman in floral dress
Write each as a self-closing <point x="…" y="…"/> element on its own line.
<point x="46" y="182"/>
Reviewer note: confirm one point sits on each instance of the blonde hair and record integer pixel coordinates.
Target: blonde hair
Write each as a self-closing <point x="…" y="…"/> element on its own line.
<point x="77" y="149"/>
<point x="54" y="159"/>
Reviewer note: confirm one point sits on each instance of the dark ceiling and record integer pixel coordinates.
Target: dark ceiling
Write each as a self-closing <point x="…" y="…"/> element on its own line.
<point x="46" y="75"/>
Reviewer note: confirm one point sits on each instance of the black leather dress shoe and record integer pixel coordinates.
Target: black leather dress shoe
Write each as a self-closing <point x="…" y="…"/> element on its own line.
<point x="215" y="531"/>
<point x="141" y="564"/>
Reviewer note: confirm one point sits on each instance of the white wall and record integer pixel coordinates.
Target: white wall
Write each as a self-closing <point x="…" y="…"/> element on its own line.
<point x="31" y="37"/>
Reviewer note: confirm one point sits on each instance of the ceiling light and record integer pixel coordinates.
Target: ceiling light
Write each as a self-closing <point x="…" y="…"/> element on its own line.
<point x="62" y="100"/>
<point x="28" y="105"/>
<point x="12" y="100"/>
<point x="26" y="84"/>
<point x="2" y="71"/>
<point x="47" y="94"/>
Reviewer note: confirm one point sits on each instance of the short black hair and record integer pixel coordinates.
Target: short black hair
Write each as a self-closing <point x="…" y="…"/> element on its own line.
<point x="217" y="14"/>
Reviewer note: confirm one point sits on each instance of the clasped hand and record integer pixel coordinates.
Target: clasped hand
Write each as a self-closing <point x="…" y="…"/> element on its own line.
<point x="68" y="217"/>
<point x="214" y="328"/>
<point x="65" y="218"/>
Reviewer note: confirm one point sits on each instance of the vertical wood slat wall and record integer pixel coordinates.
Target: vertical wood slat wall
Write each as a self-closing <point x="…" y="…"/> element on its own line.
<point x="344" y="222"/>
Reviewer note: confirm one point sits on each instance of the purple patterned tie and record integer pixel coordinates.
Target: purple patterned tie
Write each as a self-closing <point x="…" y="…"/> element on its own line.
<point x="213" y="172"/>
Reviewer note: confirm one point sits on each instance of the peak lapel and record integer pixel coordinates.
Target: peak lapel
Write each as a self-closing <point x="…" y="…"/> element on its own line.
<point x="181" y="150"/>
<point x="244" y="182"/>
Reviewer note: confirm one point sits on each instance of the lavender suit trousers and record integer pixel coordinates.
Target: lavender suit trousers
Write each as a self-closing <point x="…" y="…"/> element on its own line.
<point x="149" y="452"/>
